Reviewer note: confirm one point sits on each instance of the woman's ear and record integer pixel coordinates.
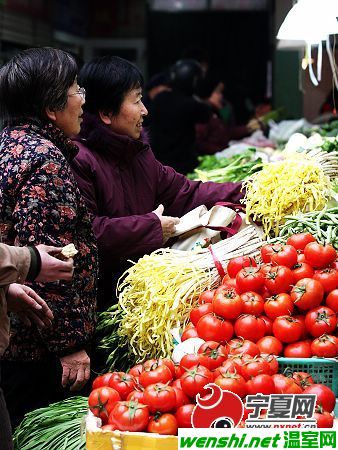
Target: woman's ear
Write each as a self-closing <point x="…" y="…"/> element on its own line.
<point x="106" y="117"/>
<point x="51" y="114"/>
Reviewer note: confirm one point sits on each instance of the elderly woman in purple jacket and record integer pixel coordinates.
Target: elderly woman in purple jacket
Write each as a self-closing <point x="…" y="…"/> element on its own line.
<point x="134" y="200"/>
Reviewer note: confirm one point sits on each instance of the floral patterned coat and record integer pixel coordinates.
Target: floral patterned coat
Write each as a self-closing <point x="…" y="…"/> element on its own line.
<point x="41" y="204"/>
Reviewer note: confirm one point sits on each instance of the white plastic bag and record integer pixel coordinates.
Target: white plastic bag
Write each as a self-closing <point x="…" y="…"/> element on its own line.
<point x="202" y="227"/>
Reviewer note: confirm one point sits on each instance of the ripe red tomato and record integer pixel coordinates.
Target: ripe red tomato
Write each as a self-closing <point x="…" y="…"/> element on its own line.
<point x="284" y="255"/>
<point x="320" y="320"/>
<point x="266" y="253"/>
<point x="136" y="395"/>
<point x="102" y="380"/>
<point x="160" y="397"/>
<point x="324" y="419"/>
<point x="136" y="370"/>
<point x="236" y="264"/>
<point x="250" y="327"/>
<point x="255" y="367"/>
<point x="270" y="345"/>
<point x="325" y="397"/>
<point x="183" y="416"/>
<point x="328" y="278"/>
<point x="214" y="353"/>
<point x="305" y="335"/>
<point x="272" y="361"/>
<point x="307" y="293"/>
<point x="279" y="279"/>
<point x="334" y="265"/>
<point x="242" y="346"/>
<point x="250" y="279"/>
<point x="129" y="416"/>
<point x="252" y="303"/>
<point x="278" y="305"/>
<point x="123" y="383"/>
<point x="232" y="382"/>
<point x="152" y="363"/>
<point x="261" y="384"/>
<point x="177" y="382"/>
<point x="319" y="256"/>
<point x="213" y="328"/>
<point x="268" y="325"/>
<point x="265" y="267"/>
<point x="169" y="363"/>
<point x="194" y="380"/>
<point x="229" y="367"/>
<point x="332" y="300"/>
<point x="301" y="258"/>
<point x="101" y="402"/>
<point x="300" y="240"/>
<point x="300" y="349"/>
<point x="191" y="360"/>
<point x="178" y="373"/>
<point x="325" y="346"/>
<point x="286" y="385"/>
<point x="200" y="311"/>
<point x="303" y="379"/>
<point x="226" y="303"/>
<point x="189" y="333"/>
<point x="163" y="424"/>
<point x="155" y="374"/>
<point x="225" y="278"/>
<point x="230" y="283"/>
<point x="181" y="398"/>
<point x="302" y="270"/>
<point x="287" y="329"/>
<point x="206" y="297"/>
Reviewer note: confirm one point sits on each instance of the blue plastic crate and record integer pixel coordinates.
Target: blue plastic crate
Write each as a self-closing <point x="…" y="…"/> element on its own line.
<point x="322" y="370"/>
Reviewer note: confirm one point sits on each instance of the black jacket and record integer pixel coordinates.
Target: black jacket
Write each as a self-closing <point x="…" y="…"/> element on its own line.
<point x="173" y="116"/>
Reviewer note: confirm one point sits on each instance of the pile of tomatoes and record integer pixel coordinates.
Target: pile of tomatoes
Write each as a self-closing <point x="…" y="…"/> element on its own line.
<point x="287" y="303"/>
<point x="150" y="397"/>
<point x="159" y="396"/>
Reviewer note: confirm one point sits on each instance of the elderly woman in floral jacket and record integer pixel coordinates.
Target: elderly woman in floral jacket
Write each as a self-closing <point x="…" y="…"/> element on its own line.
<point x="41" y="106"/>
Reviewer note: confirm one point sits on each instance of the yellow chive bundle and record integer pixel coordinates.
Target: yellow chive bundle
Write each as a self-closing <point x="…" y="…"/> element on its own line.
<point x="296" y="184"/>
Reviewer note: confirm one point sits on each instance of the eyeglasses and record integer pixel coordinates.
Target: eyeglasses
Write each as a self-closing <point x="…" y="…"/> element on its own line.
<point x="81" y="91"/>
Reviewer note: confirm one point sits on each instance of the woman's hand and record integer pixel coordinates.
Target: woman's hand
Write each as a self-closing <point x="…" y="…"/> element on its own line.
<point x="75" y="370"/>
<point x="28" y="305"/>
<point x="167" y="223"/>
<point x="53" y="269"/>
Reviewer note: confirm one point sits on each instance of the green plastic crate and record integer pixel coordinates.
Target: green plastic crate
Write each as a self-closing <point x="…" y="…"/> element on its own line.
<point x="322" y="370"/>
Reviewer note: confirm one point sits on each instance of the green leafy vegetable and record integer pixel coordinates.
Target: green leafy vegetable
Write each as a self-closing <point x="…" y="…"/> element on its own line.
<point x="220" y="170"/>
<point x="56" y="427"/>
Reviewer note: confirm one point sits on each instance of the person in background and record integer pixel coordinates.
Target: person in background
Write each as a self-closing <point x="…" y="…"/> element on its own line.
<point x="174" y="115"/>
<point x="18" y="264"/>
<point x="157" y="84"/>
<point x="330" y="104"/>
<point x="199" y="54"/>
<point x="214" y="135"/>
<point x="41" y="107"/>
<point x="134" y="199"/>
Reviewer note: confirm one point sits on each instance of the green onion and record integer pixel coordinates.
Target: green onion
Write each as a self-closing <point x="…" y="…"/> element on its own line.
<point x="55" y="427"/>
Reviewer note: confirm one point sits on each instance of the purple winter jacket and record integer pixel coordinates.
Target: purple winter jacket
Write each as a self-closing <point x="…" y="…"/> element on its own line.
<point x="122" y="183"/>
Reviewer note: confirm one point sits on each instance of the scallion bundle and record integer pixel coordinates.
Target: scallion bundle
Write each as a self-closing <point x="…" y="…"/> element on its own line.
<point x="157" y="293"/>
<point x="55" y="427"/>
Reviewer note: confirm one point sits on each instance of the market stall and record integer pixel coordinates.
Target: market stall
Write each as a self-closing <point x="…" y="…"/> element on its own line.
<point x="255" y="311"/>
